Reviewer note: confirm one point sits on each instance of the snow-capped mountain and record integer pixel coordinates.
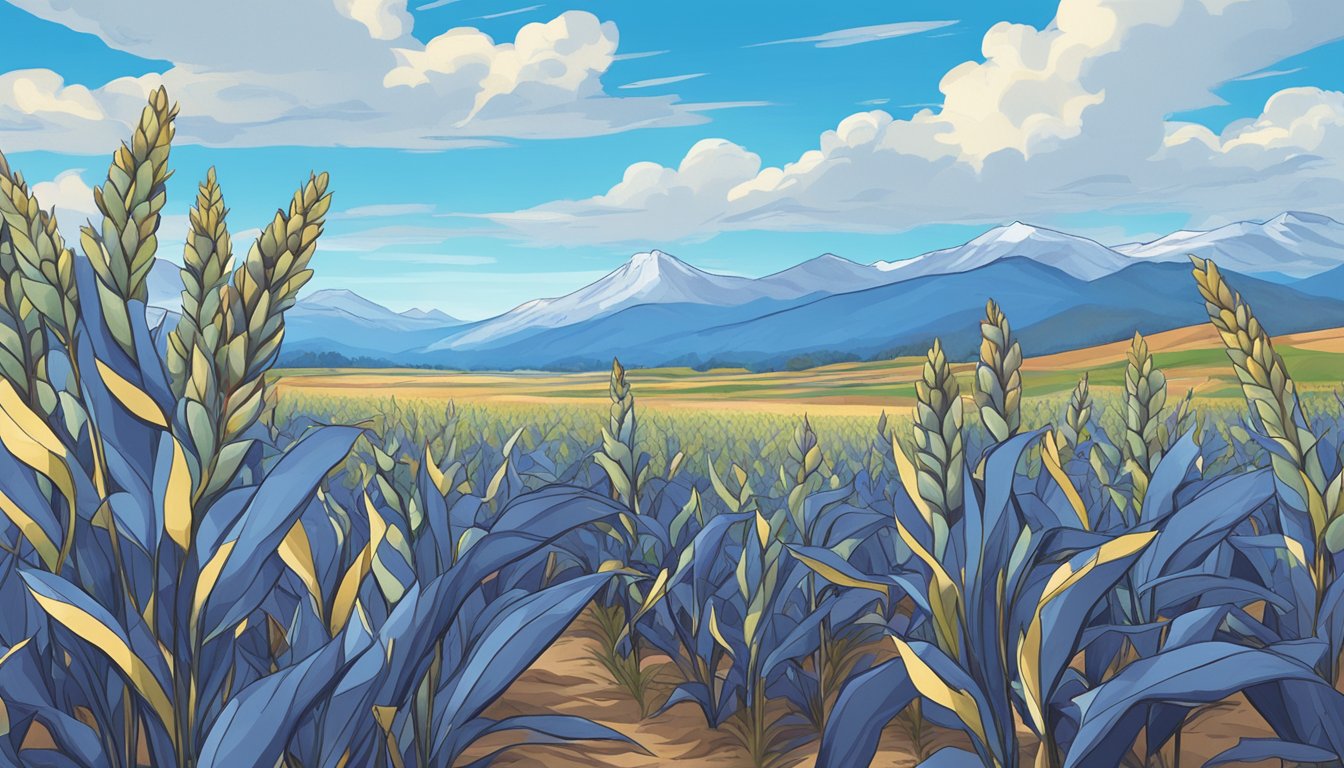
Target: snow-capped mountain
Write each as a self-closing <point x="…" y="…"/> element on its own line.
<point x="1292" y="244"/>
<point x="827" y="273"/>
<point x="647" y="278"/>
<point x="1073" y="255"/>
<point x="655" y="309"/>
<point x="439" y="316"/>
<point x="339" y="304"/>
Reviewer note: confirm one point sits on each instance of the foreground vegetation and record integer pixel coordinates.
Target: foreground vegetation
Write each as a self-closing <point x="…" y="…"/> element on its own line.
<point x="195" y="575"/>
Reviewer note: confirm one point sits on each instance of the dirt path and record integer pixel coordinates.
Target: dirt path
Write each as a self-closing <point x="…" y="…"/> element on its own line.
<point x="567" y="680"/>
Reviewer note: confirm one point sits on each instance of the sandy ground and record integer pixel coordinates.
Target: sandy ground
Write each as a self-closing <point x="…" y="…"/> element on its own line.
<point x="567" y="680"/>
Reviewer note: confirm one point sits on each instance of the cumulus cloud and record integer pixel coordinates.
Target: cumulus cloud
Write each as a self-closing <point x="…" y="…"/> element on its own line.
<point x="68" y="195"/>
<point x="328" y="73"/>
<point x="1069" y="118"/>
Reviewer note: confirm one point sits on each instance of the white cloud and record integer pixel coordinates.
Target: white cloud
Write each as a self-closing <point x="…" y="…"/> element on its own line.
<point x="638" y="55"/>
<point x="513" y="12"/>
<point x="657" y="81"/>
<point x="69" y="196"/>
<point x="842" y="38"/>
<point x="1069" y="118"/>
<point x="327" y="73"/>
<point x="383" y="210"/>
<point x="1267" y="74"/>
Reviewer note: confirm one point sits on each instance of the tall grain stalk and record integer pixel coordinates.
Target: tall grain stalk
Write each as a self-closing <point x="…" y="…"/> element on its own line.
<point x="245" y="333"/>
<point x="998" y="376"/>
<point x="39" y="293"/>
<point x="122" y="249"/>
<point x="619" y="455"/>
<point x="1076" y="417"/>
<point x="939" y="455"/>
<point x="616" y="616"/>
<point x="1272" y="396"/>
<point x="1144" y="398"/>
<point x="207" y="261"/>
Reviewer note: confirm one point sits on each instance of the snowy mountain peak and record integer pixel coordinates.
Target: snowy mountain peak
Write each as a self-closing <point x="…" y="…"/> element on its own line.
<point x="1013" y="233"/>
<point x="1293" y="244"/>
<point x="345" y="300"/>
<point x="645" y="268"/>
<point x="652" y="277"/>
<point x="1301" y="217"/>
<point x="1077" y="256"/>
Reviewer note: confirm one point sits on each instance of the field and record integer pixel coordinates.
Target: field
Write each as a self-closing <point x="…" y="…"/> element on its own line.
<point x="1193" y="359"/>
<point x="205" y="564"/>
<point x="735" y="413"/>
<point x="748" y="422"/>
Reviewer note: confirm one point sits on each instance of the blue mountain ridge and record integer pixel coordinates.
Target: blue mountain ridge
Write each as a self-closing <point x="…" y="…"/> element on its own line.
<point x="1052" y="311"/>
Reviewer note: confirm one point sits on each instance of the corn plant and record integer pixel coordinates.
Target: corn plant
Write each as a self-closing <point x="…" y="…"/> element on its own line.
<point x="148" y="588"/>
<point x="997" y="579"/>
<point x="194" y="597"/>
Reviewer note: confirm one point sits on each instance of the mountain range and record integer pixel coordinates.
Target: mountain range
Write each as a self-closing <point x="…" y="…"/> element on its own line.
<point x="1061" y="291"/>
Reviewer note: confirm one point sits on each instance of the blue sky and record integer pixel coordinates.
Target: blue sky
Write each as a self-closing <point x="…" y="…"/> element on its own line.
<point x="478" y="153"/>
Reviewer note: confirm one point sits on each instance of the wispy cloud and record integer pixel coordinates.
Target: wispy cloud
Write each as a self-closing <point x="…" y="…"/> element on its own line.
<point x="637" y="55"/>
<point x="435" y="4"/>
<point x="385" y="210"/>
<point x="662" y="81"/>
<point x="513" y="12"/>
<point x="841" y="38"/>
<point x="1261" y="75"/>
<point x="445" y="259"/>
<point x="874" y="102"/>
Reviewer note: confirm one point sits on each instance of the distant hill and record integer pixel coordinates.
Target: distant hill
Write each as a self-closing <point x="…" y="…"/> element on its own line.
<point x="1061" y="291"/>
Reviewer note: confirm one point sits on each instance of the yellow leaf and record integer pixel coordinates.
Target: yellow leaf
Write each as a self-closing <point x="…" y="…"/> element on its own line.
<point x="715" y="633"/>
<point x="435" y="474"/>
<point x="836" y="577"/>
<point x="944" y="596"/>
<point x="102" y="637"/>
<point x="656" y="593"/>
<point x="348" y="590"/>
<point x="131" y="397"/>
<point x="177" y="507"/>
<point x="495" y="481"/>
<point x="27" y="436"/>
<point x="939" y="691"/>
<point x="762" y="529"/>
<point x="205" y="584"/>
<point x="297" y="553"/>
<point x="1050" y="458"/>
<point x="1064" y="577"/>
<point x="46" y="548"/>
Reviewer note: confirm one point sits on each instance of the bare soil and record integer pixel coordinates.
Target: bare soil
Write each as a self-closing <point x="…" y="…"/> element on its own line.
<point x="567" y="679"/>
